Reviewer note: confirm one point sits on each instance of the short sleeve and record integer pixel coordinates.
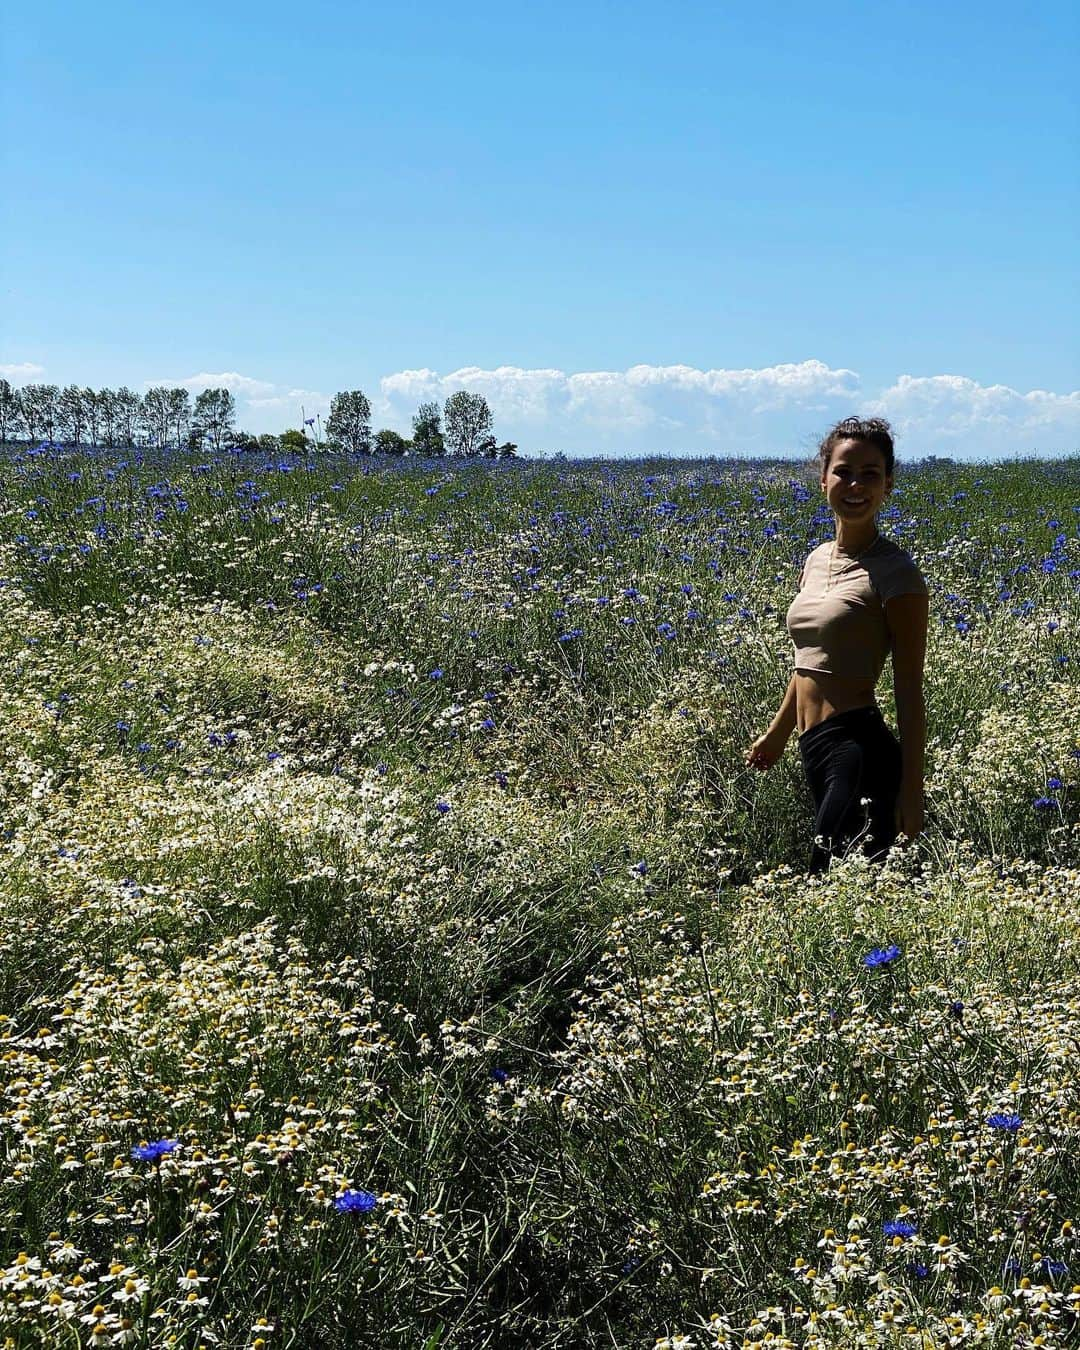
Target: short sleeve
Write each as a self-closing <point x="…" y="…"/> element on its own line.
<point x="903" y="578"/>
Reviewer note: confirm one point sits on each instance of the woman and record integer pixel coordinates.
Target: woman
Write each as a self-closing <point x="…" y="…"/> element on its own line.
<point x="860" y="597"/>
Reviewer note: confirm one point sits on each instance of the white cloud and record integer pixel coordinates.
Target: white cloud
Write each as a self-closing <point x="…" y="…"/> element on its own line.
<point x="310" y="400"/>
<point x="772" y="410"/>
<point x="782" y="409"/>
<point x="645" y="408"/>
<point x="517" y="392"/>
<point x="242" y="385"/>
<point x="22" y="372"/>
<point x="261" y="404"/>
<point x="957" y="415"/>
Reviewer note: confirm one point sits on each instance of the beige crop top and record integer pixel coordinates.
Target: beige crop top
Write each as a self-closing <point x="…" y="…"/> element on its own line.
<point x="837" y="621"/>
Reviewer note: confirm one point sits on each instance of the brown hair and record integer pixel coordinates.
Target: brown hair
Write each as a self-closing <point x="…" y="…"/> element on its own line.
<point x="872" y="431"/>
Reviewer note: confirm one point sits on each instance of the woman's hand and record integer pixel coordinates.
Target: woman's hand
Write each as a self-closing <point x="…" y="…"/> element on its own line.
<point x="909" y="810"/>
<point x="766" y="750"/>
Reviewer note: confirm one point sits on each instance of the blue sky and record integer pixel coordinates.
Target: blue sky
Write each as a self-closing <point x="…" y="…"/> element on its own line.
<point x="634" y="228"/>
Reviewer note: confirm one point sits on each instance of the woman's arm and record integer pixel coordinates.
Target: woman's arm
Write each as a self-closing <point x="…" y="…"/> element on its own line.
<point x="783" y="724"/>
<point x="908" y="618"/>
<point x="767" y="749"/>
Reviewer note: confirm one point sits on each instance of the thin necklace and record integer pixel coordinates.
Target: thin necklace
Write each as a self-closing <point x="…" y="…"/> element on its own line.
<point x="853" y="557"/>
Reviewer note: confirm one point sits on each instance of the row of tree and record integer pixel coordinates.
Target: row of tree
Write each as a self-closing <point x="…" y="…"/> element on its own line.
<point x="116" y="417"/>
<point x="167" y="417"/>
<point x="462" y="427"/>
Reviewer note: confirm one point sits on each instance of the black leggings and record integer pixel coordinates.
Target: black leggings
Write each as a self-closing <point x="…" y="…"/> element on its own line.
<point x="849" y="756"/>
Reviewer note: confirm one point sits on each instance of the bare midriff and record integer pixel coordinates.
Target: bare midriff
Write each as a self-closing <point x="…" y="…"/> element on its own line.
<point x="818" y="696"/>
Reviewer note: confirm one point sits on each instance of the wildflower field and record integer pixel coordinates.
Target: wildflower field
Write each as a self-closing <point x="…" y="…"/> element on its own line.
<point x="395" y="949"/>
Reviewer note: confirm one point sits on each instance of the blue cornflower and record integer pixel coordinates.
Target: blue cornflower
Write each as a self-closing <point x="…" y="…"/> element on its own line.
<point x="152" y="1152"/>
<point x="436" y="674"/>
<point x="640" y="868"/>
<point x="1054" y="784"/>
<point x="1004" y="1120"/>
<point x="442" y="807"/>
<point x="881" y="956"/>
<point x="956" y="1008"/>
<point x="355" y="1202"/>
<point x="902" y="1228"/>
<point x="499" y="1076"/>
<point x="1044" y="803"/>
<point x="1048" y="1266"/>
<point x="918" y="1269"/>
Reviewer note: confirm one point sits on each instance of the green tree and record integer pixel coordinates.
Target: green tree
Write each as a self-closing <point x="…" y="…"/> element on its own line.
<point x="349" y="423"/>
<point x="294" y="441"/>
<point x="10" y="413"/>
<point x="178" y="403"/>
<point x="389" y="442"/>
<point x="427" y="431"/>
<point x="71" y="414"/>
<point x="127" y="407"/>
<point x="508" y="450"/>
<point x="92" y="414"/>
<point x="107" y="411"/>
<point x="468" y="421"/>
<point x="154" y="416"/>
<point x="214" y="417"/>
<point x="39" y="406"/>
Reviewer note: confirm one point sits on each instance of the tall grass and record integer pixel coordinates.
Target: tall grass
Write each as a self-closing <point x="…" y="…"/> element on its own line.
<point x="385" y="829"/>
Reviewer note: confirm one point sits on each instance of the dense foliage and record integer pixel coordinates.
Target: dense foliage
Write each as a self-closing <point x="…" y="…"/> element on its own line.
<point x="164" y="418"/>
<point x="396" y="950"/>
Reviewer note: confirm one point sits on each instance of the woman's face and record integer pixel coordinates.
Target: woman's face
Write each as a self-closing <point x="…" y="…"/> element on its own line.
<point x="855" y="483"/>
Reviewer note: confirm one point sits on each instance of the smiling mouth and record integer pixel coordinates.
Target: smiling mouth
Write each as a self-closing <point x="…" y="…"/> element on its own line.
<point x="851" y="501"/>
